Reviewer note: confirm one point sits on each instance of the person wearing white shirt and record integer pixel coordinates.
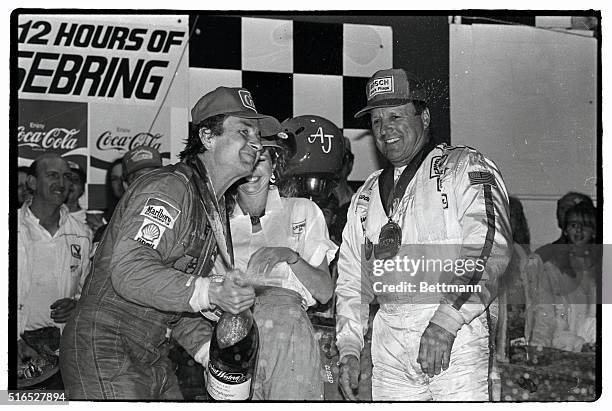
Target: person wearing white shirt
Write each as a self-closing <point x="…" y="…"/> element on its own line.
<point x="53" y="253"/>
<point x="446" y="202"/>
<point x="284" y="247"/>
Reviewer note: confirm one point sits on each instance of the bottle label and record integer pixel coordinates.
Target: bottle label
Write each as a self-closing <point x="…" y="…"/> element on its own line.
<point x="228" y="386"/>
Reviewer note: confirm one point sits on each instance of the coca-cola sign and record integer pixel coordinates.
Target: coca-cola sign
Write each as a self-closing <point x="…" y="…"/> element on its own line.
<point x="122" y="140"/>
<point x="58" y="138"/>
<point x="226" y="377"/>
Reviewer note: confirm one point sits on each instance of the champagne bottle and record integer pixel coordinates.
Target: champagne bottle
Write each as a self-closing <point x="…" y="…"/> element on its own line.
<point x="233" y="357"/>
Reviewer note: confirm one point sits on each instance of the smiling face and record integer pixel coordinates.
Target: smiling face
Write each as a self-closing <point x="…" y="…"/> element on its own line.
<point x="52" y="181"/>
<point x="578" y="229"/>
<point x="399" y="132"/>
<point x="76" y="188"/>
<point x="258" y="182"/>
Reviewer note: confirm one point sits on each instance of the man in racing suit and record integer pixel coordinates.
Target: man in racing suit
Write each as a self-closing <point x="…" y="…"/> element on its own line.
<point x="150" y="273"/>
<point x="431" y="344"/>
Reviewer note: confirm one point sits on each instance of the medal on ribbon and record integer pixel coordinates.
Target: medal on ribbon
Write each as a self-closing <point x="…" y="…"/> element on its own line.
<point x="389" y="241"/>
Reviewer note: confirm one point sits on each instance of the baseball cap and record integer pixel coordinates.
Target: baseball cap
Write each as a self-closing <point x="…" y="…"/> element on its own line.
<point x="139" y="158"/>
<point x="233" y="101"/>
<point x="391" y="87"/>
<point x="76" y="168"/>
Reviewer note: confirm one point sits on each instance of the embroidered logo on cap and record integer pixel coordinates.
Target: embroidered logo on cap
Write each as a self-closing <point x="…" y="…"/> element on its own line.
<point x="380" y="85"/>
<point x="160" y="212"/>
<point x="247" y="100"/>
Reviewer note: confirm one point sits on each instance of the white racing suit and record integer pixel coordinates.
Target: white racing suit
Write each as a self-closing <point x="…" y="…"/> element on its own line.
<point x="456" y="199"/>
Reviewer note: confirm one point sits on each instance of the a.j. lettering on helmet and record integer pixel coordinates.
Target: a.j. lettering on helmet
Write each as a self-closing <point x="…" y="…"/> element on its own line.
<point x="319" y="146"/>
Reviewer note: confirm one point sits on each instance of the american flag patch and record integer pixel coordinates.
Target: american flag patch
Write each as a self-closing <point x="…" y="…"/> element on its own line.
<point x="481" y="177"/>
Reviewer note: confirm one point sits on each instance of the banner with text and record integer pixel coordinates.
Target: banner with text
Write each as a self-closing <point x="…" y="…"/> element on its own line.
<point x="126" y="71"/>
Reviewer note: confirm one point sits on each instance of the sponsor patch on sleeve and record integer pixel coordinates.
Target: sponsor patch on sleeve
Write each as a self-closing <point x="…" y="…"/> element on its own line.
<point x="481" y="177"/>
<point x="150" y="233"/>
<point x="435" y="167"/>
<point x="161" y="212"/>
<point x="75" y="250"/>
<point x="298" y="227"/>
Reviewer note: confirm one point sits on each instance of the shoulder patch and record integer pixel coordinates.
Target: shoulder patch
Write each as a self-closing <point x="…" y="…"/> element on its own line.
<point x="75" y="250"/>
<point x="298" y="227"/>
<point x="435" y="167"/>
<point x="481" y="177"/>
<point x="161" y="212"/>
<point x="150" y="233"/>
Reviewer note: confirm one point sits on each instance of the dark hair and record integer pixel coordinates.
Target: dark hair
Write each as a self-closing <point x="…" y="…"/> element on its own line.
<point x="193" y="145"/>
<point x="24" y="169"/>
<point x="566" y="202"/>
<point x="33" y="169"/>
<point x="81" y="173"/>
<point x="585" y="211"/>
<point x="419" y="106"/>
<point x="518" y="223"/>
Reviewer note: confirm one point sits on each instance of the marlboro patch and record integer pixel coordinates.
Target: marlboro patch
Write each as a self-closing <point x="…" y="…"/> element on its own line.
<point x="481" y="177"/>
<point x="161" y="212"/>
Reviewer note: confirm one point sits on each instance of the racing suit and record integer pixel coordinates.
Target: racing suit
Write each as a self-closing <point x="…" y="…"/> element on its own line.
<point x="142" y="287"/>
<point x="456" y="204"/>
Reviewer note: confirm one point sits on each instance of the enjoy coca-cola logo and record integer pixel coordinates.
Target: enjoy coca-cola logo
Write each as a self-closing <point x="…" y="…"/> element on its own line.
<point x="109" y="141"/>
<point x="58" y="138"/>
<point x="227" y="377"/>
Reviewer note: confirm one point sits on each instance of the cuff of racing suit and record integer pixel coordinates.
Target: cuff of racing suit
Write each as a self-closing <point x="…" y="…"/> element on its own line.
<point x="202" y="355"/>
<point x="349" y="348"/>
<point x="199" y="299"/>
<point x="448" y="318"/>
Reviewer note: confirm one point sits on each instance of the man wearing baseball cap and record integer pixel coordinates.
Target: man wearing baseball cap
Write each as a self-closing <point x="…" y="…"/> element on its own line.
<point x="139" y="161"/>
<point x="150" y="274"/>
<point x="427" y="343"/>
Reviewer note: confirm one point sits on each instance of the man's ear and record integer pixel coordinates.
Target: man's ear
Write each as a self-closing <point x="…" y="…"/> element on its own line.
<point x="206" y="137"/>
<point x="31" y="182"/>
<point x="425" y="118"/>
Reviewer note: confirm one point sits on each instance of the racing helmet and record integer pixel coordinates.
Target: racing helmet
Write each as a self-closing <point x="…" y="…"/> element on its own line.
<point x="319" y="151"/>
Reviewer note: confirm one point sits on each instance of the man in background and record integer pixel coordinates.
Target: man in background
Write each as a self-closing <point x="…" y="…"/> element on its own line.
<point x="569" y="200"/>
<point x="139" y="161"/>
<point x="23" y="192"/>
<point x="76" y="191"/>
<point x="53" y="261"/>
